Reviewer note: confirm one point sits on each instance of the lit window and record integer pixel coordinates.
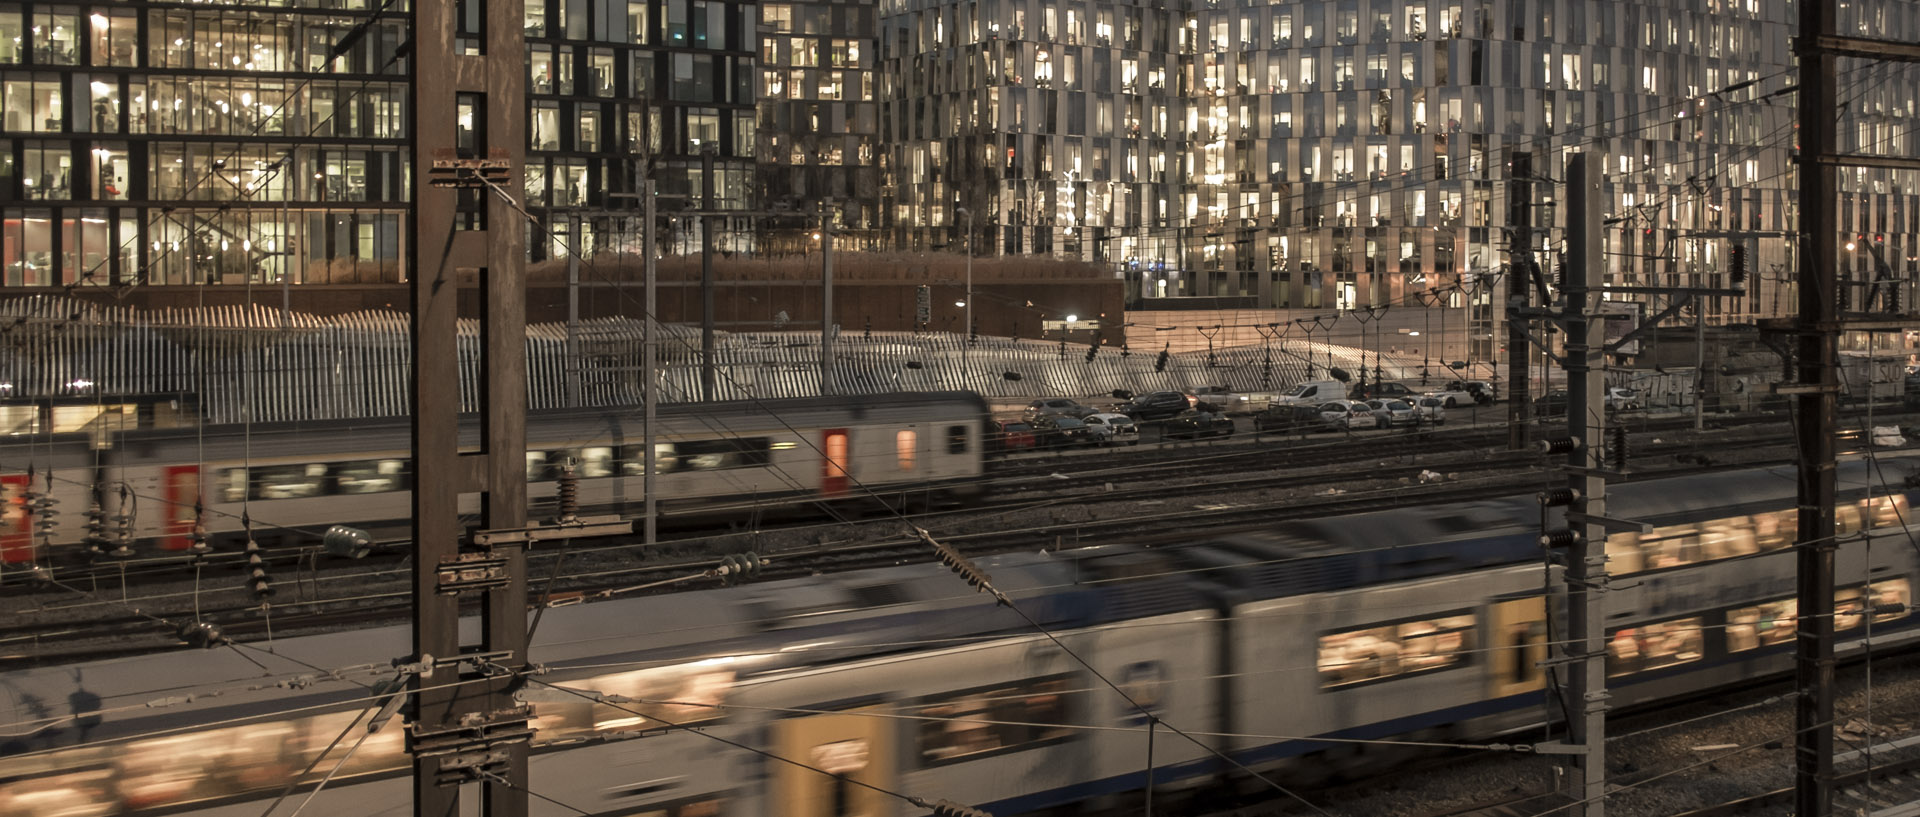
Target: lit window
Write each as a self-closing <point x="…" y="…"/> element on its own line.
<point x="1654" y="646"/>
<point x="904" y="443"/>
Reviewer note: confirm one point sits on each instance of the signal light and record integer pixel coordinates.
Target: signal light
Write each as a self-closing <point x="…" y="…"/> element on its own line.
<point x="1560" y="539"/>
<point x="1091" y="352"/>
<point x="1562" y="445"/>
<point x="1617" y="447"/>
<point x="1557" y="497"/>
<point x="1738" y="274"/>
<point x="1160" y="363"/>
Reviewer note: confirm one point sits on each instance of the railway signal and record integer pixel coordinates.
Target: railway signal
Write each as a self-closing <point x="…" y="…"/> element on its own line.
<point x="1160" y="363"/>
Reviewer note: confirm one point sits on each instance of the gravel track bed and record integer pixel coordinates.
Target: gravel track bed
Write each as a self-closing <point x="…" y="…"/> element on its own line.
<point x="1660" y="771"/>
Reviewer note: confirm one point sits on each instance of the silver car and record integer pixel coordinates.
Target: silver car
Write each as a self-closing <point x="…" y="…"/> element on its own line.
<point x="1432" y="410"/>
<point x="1394" y="413"/>
<point x="1348" y="415"/>
<point x="1112" y="429"/>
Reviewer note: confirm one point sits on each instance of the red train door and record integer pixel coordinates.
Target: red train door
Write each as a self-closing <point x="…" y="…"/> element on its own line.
<point x="16" y="524"/>
<point x="836" y="462"/>
<point x="182" y="490"/>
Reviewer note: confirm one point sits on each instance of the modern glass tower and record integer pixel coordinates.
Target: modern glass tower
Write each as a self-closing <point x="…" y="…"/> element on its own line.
<point x="1338" y="155"/>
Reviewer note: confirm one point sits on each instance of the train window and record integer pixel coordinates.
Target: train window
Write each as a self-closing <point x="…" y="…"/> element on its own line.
<point x="595" y="462"/>
<point x="1001" y="718"/>
<point x="1891" y="600"/>
<point x="287" y="481"/>
<point x="956" y="439"/>
<point x="1762" y="625"/>
<point x="1888" y="512"/>
<point x="633" y="459"/>
<point x="1393" y="650"/>
<point x="906" y="444"/>
<point x="1654" y="646"/>
<point x="370" y="476"/>
<point x="537" y="465"/>
<point x="714" y="455"/>
<point x="677" y="695"/>
<point x="1774" y="530"/>
<point x="1849" y="608"/>
<point x="1846" y="519"/>
<point x="232" y="484"/>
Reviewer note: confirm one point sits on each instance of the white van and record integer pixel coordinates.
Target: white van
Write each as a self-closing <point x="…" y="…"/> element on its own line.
<point x="1312" y="393"/>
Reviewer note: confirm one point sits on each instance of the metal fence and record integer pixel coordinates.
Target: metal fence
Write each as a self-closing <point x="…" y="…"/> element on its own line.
<point x="238" y="364"/>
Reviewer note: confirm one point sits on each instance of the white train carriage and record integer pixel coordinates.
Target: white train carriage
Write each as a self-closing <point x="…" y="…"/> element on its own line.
<point x="295" y="480"/>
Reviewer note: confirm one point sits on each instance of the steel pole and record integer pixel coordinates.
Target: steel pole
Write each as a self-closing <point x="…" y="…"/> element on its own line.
<point x="826" y="304"/>
<point x="707" y="372"/>
<point x="1815" y="409"/>
<point x="1587" y="559"/>
<point x="650" y="366"/>
<point x="1519" y="348"/>
<point x="967" y="344"/>
<point x="573" y="315"/>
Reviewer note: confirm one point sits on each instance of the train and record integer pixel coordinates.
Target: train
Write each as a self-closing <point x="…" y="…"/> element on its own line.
<point x="172" y="491"/>
<point x="1303" y="650"/>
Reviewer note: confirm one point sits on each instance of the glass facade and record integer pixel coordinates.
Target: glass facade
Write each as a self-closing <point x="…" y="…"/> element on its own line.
<point x="227" y="143"/>
<point x="1312" y="155"/>
<point x="818" y="137"/>
<point x="1334" y="155"/>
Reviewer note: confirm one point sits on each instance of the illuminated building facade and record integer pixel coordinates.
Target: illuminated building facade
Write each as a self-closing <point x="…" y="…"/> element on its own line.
<point x="228" y="143"/>
<point x="1338" y="155"/>
<point x="819" y="122"/>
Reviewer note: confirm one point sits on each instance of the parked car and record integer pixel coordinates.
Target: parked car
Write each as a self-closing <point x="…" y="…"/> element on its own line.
<point x="1197" y="423"/>
<point x="1433" y="411"/>
<point x="1383" y="391"/>
<point x="1057" y="405"/>
<point x="1312" y="393"/>
<point x="1107" y="428"/>
<point x="1551" y="404"/>
<point x="1060" y="431"/>
<point x="1008" y="437"/>
<point x="1348" y="415"/>
<point x="1394" y="413"/>
<point x="1157" y="405"/>
<point x="1223" y="399"/>
<point x="1454" y="395"/>
<point x="1288" y="419"/>
<point x="1620" y="398"/>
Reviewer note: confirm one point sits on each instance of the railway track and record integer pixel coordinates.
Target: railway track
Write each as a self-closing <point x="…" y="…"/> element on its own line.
<point x="376" y="593"/>
<point x="1163" y="473"/>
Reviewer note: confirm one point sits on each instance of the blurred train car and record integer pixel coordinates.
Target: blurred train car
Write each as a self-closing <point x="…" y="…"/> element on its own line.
<point x="1280" y="647"/>
<point x="296" y="479"/>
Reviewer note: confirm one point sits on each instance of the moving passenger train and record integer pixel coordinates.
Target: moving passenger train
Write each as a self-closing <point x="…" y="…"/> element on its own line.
<point x="1270" y="645"/>
<point x="744" y="456"/>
